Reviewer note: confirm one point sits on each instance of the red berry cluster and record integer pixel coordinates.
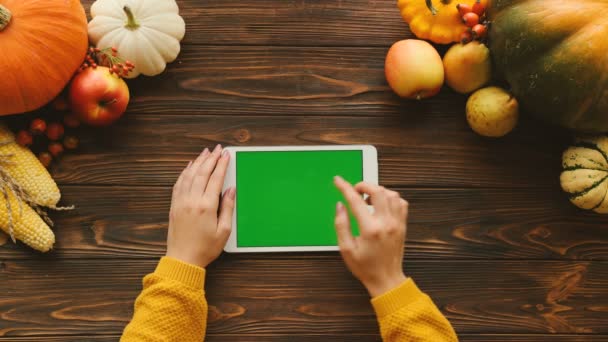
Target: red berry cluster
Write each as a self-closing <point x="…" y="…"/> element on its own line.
<point x="89" y="60"/>
<point x="50" y="134"/>
<point x="107" y="57"/>
<point x="474" y="17"/>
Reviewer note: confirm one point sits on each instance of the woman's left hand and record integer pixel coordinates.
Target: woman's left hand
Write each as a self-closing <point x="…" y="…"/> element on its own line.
<point x="197" y="231"/>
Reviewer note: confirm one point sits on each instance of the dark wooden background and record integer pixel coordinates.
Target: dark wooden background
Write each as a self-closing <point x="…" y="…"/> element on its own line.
<point x="491" y="237"/>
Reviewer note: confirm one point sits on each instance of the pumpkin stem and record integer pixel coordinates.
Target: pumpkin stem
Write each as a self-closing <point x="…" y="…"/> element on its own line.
<point x="131" y="24"/>
<point x="429" y="4"/>
<point x="5" y="17"/>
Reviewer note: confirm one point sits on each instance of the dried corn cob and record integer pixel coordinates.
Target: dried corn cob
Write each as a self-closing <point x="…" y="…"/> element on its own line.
<point x="21" y="222"/>
<point x="25" y="169"/>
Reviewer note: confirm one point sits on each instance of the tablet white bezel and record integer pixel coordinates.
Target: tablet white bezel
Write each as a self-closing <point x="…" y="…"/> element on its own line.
<point x="370" y="175"/>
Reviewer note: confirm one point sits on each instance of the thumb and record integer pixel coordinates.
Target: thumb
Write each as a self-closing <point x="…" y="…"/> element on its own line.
<point x="224" y="224"/>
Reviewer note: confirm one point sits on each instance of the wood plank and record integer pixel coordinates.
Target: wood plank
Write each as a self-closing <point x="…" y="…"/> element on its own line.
<point x="345" y="98"/>
<point x="63" y="338"/>
<point x="299" y="22"/>
<point x="153" y="149"/>
<point x="299" y="294"/>
<point x="219" y="91"/>
<point x="130" y="222"/>
<point x="533" y="338"/>
<point x="281" y="81"/>
<point x="327" y="337"/>
<point x="322" y="85"/>
<point x="262" y="81"/>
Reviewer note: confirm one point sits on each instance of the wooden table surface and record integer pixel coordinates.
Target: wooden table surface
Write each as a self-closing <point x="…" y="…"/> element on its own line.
<point x="491" y="237"/>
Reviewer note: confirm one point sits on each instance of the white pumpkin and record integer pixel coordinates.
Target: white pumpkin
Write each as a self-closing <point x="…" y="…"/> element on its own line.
<point x="145" y="32"/>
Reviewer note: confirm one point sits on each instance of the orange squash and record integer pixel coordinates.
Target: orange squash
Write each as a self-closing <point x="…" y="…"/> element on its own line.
<point x="43" y="44"/>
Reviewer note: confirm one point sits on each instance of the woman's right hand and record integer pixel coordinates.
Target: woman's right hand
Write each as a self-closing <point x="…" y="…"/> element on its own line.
<point x="375" y="257"/>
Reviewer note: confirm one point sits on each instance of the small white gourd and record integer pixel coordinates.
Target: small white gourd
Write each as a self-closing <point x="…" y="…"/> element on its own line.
<point x="145" y="32"/>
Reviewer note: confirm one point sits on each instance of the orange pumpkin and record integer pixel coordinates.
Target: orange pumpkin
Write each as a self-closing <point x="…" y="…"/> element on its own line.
<point x="43" y="44"/>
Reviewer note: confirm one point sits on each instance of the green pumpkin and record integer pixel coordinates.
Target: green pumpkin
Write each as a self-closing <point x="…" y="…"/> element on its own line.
<point x="554" y="55"/>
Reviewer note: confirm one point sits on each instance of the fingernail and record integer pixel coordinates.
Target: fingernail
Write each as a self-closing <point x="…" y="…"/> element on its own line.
<point x="189" y="163"/>
<point x="205" y="152"/>
<point x="232" y="193"/>
<point x="225" y="154"/>
<point x="338" y="179"/>
<point x="339" y="207"/>
<point x="217" y="148"/>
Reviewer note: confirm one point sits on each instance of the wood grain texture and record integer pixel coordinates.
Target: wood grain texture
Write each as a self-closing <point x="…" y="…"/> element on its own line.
<point x="273" y="96"/>
<point x="293" y="22"/>
<point x="274" y="80"/>
<point x="307" y="294"/>
<point x="153" y="149"/>
<point x="82" y="338"/>
<point x="329" y="338"/>
<point x="131" y="222"/>
<point x="294" y="81"/>
<point x="225" y="94"/>
<point x="491" y="237"/>
<point x="533" y="338"/>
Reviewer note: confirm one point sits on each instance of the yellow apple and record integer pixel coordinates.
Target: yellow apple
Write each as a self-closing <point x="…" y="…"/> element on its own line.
<point x="414" y="69"/>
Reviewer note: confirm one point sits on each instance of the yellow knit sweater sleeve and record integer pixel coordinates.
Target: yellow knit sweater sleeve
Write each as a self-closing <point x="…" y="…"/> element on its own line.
<point x="406" y="314"/>
<point x="172" y="305"/>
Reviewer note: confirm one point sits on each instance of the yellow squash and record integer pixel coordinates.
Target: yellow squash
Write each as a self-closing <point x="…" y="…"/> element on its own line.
<point x="437" y="21"/>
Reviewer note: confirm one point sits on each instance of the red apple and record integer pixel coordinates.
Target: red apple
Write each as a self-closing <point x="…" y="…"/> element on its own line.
<point x="98" y="97"/>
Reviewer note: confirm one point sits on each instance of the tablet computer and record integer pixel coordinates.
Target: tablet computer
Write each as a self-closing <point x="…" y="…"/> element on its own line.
<point x="286" y="198"/>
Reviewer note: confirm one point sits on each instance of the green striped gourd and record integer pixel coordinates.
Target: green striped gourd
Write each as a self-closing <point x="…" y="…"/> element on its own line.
<point x="585" y="175"/>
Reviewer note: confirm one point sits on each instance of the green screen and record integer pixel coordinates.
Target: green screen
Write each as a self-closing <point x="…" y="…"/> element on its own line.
<point x="289" y="198"/>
